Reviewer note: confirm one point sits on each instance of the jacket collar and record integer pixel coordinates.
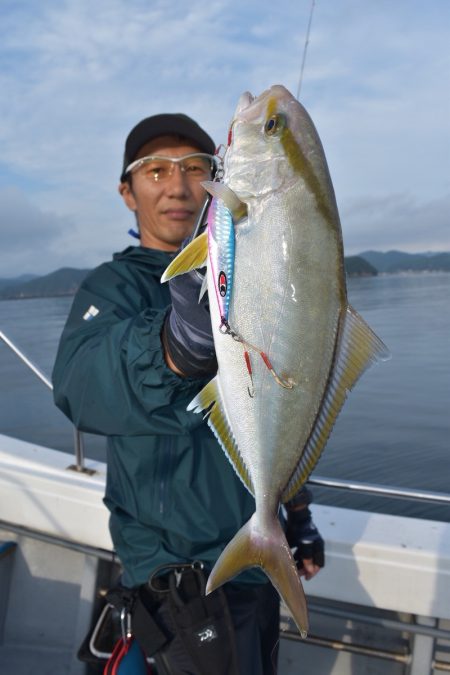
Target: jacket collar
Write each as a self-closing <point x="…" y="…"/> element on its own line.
<point x="146" y="257"/>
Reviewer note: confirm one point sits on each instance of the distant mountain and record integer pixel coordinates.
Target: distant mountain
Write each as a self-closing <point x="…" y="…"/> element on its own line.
<point x="4" y="283"/>
<point x="67" y="280"/>
<point x="64" y="281"/>
<point x="356" y="266"/>
<point x="397" y="261"/>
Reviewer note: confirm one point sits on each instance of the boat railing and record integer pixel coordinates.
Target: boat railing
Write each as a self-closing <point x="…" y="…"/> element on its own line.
<point x="320" y="481"/>
<point x="79" y="464"/>
<point x="381" y="490"/>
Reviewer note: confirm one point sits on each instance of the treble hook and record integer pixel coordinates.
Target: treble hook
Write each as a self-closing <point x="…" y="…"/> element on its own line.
<point x="226" y="329"/>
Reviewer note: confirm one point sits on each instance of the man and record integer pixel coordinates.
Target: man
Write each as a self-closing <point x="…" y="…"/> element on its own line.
<point x="133" y="354"/>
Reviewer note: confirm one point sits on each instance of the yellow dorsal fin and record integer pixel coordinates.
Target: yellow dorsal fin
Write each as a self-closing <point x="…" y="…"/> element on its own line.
<point x="190" y="258"/>
<point x="357" y="348"/>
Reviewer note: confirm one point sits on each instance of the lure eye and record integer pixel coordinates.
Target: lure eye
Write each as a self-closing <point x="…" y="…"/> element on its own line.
<point x="274" y="124"/>
<point x="222" y="284"/>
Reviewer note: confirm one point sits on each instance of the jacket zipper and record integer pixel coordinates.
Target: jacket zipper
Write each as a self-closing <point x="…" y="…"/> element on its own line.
<point x="164" y="476"/>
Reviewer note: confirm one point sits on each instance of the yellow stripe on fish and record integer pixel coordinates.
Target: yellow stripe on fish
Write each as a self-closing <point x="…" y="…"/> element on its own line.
<point x="300" y="163"/>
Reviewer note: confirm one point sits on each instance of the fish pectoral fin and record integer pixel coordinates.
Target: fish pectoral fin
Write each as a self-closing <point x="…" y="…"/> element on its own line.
<point x="190" y="258"/>
<point x="221" y="191"/>
<point x="251" y="547"/>
<point x="210" y="399"/>
<point x="356" y="349"/>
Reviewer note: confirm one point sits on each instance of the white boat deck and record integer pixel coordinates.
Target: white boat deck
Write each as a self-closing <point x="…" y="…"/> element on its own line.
<point x="374" y="561"/>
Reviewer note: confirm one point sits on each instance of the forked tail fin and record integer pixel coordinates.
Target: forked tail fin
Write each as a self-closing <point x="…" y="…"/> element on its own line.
<point x="252" y="546"/>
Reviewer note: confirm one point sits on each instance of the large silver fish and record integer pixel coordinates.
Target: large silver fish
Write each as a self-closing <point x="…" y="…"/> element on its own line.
<point x="289" y="346"/>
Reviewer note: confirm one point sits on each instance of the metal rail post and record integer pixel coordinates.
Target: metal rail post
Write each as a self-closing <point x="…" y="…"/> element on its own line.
<point x="423" y="649"/>
<point x="78" y="438"/>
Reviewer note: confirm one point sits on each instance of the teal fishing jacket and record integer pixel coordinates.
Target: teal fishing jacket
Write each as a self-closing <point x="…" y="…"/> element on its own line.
<point x="172" y="494"/>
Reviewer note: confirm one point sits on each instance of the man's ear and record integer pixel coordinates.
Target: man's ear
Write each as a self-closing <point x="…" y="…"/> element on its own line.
<point x="127" y="195"/>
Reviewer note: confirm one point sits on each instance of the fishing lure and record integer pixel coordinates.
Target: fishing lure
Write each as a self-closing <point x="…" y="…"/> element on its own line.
<point x="221" y="243"/>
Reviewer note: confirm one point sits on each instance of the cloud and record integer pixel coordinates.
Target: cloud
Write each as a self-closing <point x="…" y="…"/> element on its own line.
<point x="22" y="221"/>
<point x="396" y="221"/>
<point x="79" y="75"/>
<point x="26" y="233"/>
<point x="37" y="241"/>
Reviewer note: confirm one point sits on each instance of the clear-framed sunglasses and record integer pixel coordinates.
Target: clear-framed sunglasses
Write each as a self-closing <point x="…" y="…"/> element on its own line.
<point x="196" y="166"/>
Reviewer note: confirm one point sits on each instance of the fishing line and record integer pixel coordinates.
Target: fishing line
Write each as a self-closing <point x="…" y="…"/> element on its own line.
<point x="305" y="48"/>
<point x="274" y="654"/>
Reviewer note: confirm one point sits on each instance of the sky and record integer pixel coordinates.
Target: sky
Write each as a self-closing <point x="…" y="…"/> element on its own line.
<point x="77" y="75"/>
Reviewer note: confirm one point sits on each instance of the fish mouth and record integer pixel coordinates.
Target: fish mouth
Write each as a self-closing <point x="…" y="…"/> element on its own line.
<point x="250" y="107"/>
<point x="244" y="101"/>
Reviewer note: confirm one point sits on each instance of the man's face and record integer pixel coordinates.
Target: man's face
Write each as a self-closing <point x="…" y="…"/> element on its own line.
<point x="166" y="211"/>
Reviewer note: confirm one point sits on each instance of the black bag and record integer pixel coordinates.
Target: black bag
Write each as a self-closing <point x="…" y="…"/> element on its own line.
<point x="179" y="628"/>
<point x="202" y="633"/>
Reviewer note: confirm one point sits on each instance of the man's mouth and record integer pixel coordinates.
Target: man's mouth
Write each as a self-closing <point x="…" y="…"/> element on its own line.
<point x="178" y="214"/>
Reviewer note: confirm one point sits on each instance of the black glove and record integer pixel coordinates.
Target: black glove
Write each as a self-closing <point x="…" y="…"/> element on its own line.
<point x="187" y="333"/>
<point x="302" y="534"/>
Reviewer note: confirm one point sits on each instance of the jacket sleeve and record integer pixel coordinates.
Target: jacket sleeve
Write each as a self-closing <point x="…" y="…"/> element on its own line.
<point x="110" y="376"/>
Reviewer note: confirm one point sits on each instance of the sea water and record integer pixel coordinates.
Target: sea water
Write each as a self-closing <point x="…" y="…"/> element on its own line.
<point x="394" y="428"/>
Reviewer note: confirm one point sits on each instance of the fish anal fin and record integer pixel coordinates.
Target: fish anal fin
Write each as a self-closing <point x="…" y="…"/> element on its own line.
<point x="190" y="258"/>
<point x="210" y="400"/>
<point x="221" y="191"/>
<point x="253" y="547"/>
<point x="357" y="348"/>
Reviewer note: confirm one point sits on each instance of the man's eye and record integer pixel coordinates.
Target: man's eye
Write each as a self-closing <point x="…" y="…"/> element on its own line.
<point x="156" y="170"/>
<point x="192" y="168"/>
<point x="196" y="167"/>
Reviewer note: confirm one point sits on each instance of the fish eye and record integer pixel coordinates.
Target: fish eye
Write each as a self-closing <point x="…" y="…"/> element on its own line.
<point x="274" y="124"/>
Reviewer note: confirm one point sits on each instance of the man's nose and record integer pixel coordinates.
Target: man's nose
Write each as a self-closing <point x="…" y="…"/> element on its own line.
<point x="178" y="182"/>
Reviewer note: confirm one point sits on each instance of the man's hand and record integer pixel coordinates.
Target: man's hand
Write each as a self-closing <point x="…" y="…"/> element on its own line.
<point x="187" y="333"/>
<point x="304" y="536"/>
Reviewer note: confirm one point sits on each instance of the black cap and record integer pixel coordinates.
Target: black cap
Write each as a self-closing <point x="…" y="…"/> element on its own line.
<point x="164" y="125"/>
